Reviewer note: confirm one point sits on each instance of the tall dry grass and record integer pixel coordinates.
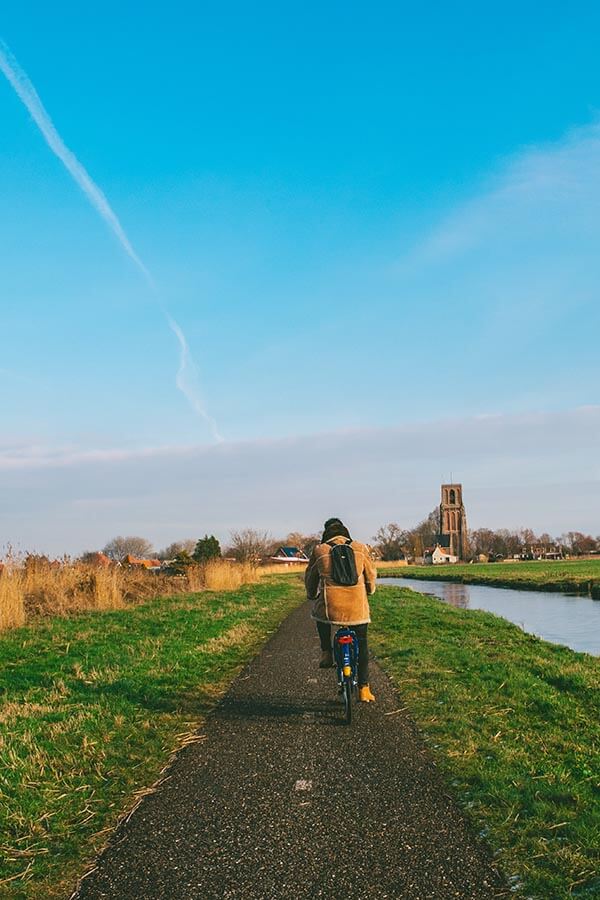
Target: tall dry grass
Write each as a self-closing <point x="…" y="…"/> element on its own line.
<point x="69" y="588"/>
<point x="31" y="588"/>
<point x="12" y="599"/>
<point x="223" y="575"/>
<point x="282" y="569"/>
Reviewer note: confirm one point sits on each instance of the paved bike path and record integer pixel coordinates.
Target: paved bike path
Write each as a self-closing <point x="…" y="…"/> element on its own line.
<point x="283" y="800"/>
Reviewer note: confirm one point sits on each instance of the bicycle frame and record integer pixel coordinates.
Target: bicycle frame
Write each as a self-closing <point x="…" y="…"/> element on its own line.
<point x="345" y="646"/>
<point x="345" y="649"/>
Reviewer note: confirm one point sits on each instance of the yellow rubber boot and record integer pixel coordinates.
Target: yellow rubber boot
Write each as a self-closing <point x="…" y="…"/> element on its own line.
<point x="365" y="695"/>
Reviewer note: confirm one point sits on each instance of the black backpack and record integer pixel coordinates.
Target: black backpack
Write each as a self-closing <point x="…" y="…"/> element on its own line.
<point x="343" y="564"/>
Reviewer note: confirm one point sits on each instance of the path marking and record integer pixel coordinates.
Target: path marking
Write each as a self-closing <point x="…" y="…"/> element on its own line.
<point x="303" y="785"/>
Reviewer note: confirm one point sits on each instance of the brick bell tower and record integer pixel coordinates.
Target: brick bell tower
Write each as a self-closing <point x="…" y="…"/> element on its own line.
<point x="453" y="520"/>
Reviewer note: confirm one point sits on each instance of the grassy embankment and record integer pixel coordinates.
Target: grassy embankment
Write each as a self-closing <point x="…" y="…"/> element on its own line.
<point x="92" y="706"/>
<point x="569" y="576"/>
<point x="513" y="723"/>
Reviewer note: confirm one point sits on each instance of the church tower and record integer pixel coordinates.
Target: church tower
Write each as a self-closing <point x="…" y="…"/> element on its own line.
<point x="453" y="520"/>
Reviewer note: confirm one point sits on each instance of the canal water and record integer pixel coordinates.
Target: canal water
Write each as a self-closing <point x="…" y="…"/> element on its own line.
<point x="559" y="618"/>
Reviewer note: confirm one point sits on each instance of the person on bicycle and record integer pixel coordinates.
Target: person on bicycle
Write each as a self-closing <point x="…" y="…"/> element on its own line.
<point x="335" y="604"/>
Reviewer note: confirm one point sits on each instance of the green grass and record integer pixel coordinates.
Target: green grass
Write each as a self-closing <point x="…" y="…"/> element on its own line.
<point x="513" y="722"/>
<point x="91" y="709"/>
<point x="571" y="576"/>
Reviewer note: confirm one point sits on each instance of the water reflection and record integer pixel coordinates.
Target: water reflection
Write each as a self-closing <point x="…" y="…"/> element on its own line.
<point x="456" y="594"/>
<point x="555" y="617"/>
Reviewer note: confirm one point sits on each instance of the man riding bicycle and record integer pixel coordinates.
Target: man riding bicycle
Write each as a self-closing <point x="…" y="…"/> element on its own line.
<point x="341" y="604"/>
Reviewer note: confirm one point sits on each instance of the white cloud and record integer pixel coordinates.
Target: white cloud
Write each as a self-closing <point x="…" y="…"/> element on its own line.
<point x="40" y="457"/>
<point x="539" y="470"/>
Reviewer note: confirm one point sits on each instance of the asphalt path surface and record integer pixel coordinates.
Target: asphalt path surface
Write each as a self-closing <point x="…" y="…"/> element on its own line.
<point x="282" y="799"/>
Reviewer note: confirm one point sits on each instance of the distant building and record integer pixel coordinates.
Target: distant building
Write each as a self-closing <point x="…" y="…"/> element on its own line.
<point x="441" y="556"/>
<point x="438" y="555"/>
<point x="453" y="534"/>
<point x="98" y="559"/>
<point x="289" y="556"/>
<point x="545" y="551"/>
<point x="152" y="565"/>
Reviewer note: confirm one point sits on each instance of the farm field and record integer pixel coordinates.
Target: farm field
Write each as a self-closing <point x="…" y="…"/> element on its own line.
<point x="570" y="576"/>
<point x="91" y="708"/>
<point x="513" y="724"/>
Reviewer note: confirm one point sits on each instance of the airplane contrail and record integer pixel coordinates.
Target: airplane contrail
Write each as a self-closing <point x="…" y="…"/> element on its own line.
<point x="187" y="378"/>
<point x="19" y="80"/>
<point x="31" y="100"/>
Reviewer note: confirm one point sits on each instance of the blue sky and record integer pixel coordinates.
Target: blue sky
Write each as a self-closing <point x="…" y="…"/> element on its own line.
<point x="398" y="202"/>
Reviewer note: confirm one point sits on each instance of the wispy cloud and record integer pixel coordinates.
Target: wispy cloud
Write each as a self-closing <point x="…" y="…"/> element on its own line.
<point x="539" y="194"/>
<point x="509" y="280"/>
<point x="539" y="470"/>
<point x="31" y="457"/>
<point x="482" y="440"/>
<point x="187" y="375"/>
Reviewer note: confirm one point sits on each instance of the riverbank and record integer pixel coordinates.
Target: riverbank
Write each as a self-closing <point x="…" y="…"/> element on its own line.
<point x="513" y="724"/>
<point x="92" y="707"/>
<point x="572" y="620"/>
<point x="566" y="576"/>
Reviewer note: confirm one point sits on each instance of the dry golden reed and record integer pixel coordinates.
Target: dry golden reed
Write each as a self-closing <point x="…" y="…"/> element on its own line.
<point x="65" y="588"/>
<point x="12" y="599"/>
<point x="223" y="575"/>
<point x="282" y="569"/>
<point x="36" y="587"/>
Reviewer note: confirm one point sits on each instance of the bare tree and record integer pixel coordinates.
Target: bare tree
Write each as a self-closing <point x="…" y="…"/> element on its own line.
<point x="176" y="547"/>
<point x="580" y="544"/>
<point x="424" y="534"/>
<point x="528" y="538"/>
<point x="119" y="547"/>
<point x="483" y="541"/>
<point x="306" y="542"/>
<point x="391" y="541"/>
<point x="250" y="545"/>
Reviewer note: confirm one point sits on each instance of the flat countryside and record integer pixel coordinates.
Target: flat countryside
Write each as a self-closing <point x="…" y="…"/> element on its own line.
<point x="94" y="706"/>
<point x="291" y="293"/>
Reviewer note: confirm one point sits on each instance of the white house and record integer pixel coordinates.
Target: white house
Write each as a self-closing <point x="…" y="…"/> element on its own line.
<point x="442" y="556"/>
<point x="289" y="556"/>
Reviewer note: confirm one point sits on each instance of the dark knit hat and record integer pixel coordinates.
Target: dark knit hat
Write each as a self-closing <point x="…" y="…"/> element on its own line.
<point x="334" y="528"/>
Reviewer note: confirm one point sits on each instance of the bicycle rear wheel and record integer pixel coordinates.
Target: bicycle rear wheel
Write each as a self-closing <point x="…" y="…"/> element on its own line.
<point x="347" y="694"/>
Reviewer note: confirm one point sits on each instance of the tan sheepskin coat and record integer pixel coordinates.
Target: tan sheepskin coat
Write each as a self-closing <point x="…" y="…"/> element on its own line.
<point x="335" y="603"/>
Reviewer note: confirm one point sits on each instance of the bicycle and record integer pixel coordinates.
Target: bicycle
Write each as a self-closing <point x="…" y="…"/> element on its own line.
<point x="345" y="652"/>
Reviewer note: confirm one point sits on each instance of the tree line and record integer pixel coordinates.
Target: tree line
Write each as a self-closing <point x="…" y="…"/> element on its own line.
<point x="394" y="542"/>
<point x="245" y="545"/>
<point x="391" y="542"/>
